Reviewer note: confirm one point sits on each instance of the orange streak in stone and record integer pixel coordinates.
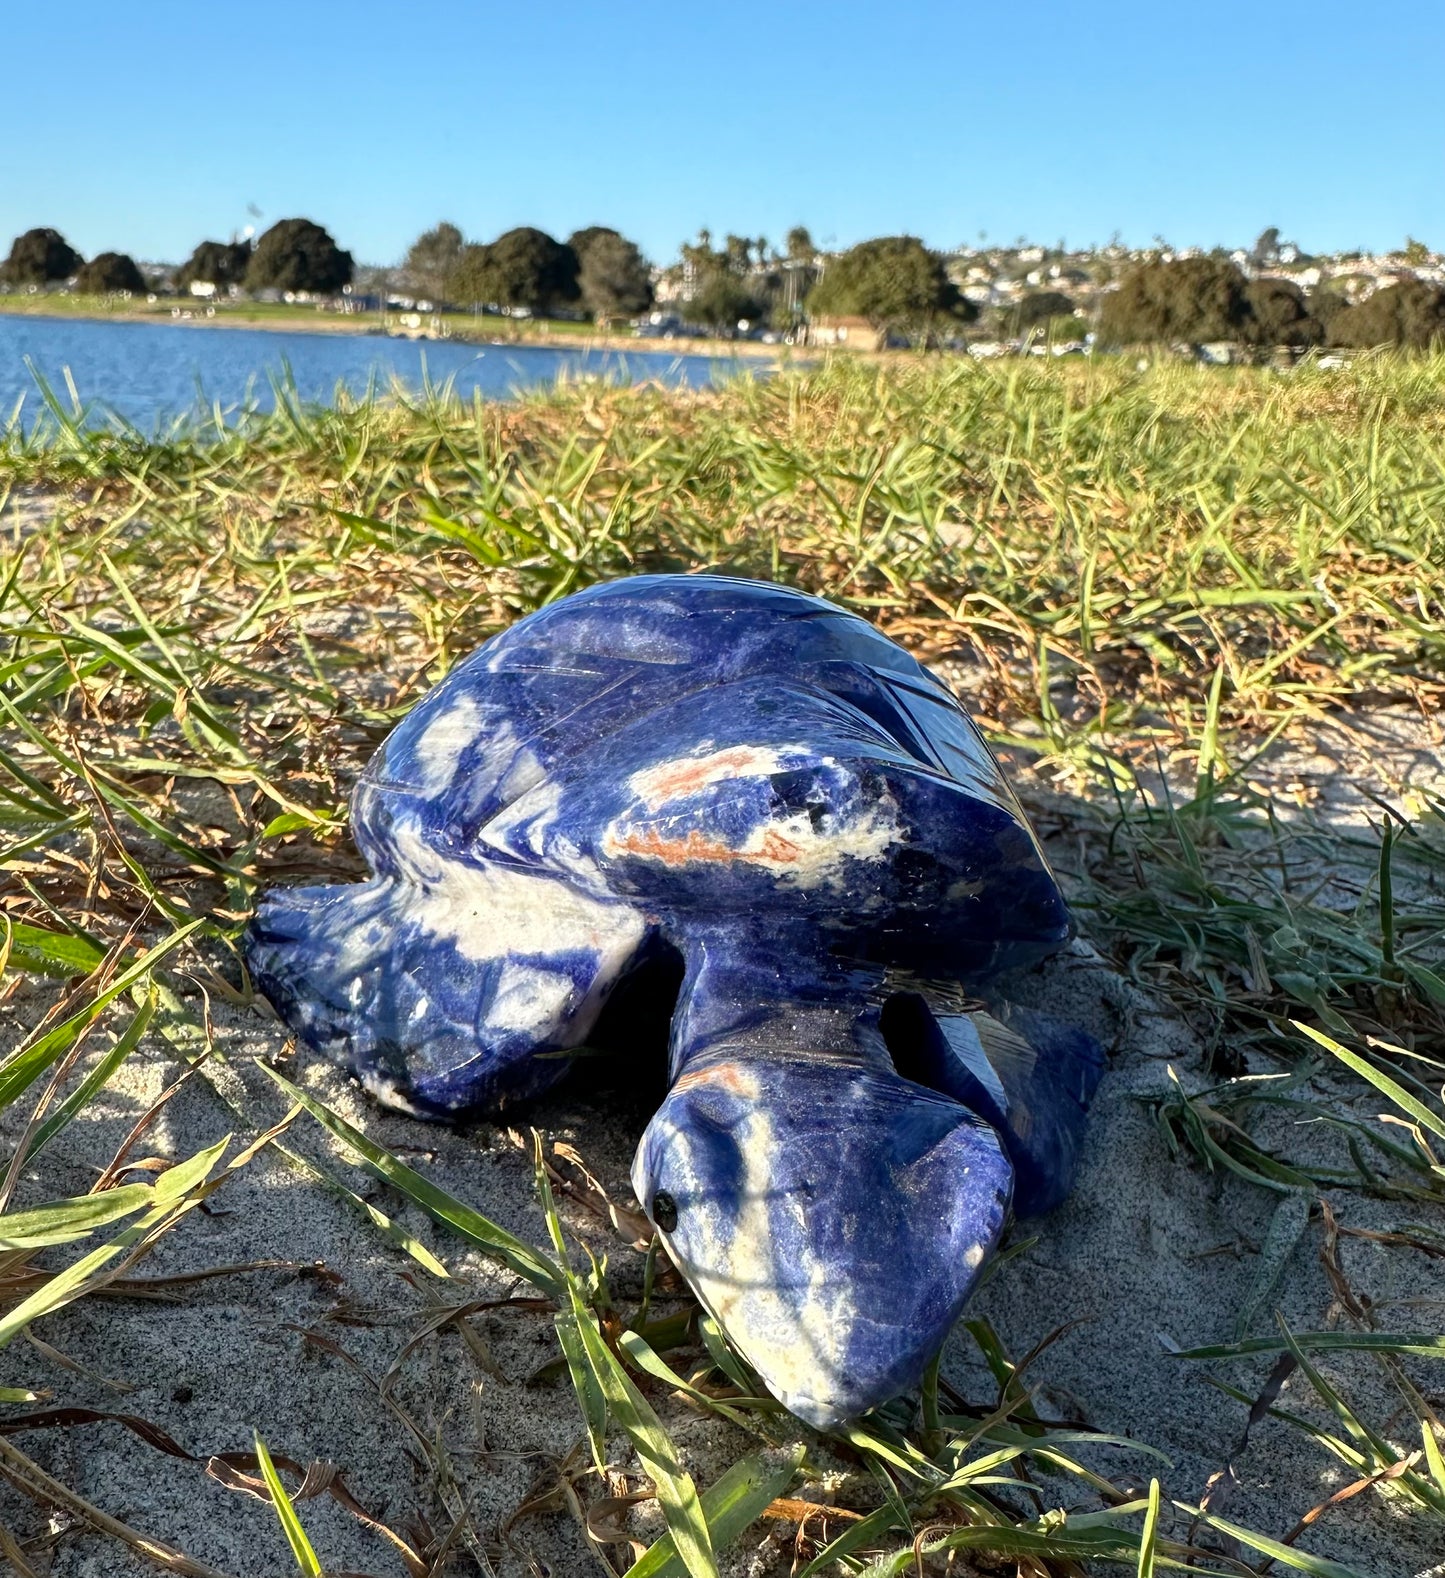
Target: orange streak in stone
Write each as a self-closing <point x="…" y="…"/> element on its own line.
<point x="776" y="847"/>
<point x="679" y="851"/>
<point x="687" y="777"/>
<point x="728" y="1075"/>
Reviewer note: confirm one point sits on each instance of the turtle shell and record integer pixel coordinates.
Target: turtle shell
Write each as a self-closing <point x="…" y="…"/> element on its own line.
<point x="700" y="745"/>
<point x="626" y="770"/>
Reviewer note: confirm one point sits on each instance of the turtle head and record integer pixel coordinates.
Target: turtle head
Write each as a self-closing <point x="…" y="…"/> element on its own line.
<point x="832" y="1219"/>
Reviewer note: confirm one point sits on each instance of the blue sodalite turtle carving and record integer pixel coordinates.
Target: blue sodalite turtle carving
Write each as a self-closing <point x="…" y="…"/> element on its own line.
<point x="751" y="777"/>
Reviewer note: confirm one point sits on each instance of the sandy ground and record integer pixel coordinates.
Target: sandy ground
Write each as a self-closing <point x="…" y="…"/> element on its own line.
<point x="1150" y="1251"/>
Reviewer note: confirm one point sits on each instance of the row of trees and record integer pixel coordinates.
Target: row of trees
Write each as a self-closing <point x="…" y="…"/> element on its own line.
<point x="526" y="268"/>
<point x="895" y="283"/>
<point x="295" y="255"/>
<point x="39" y="257"/>
<point x="1204" y="299"/>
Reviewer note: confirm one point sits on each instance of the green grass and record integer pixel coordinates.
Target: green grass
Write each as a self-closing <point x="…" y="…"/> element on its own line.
<point x="76" y="304"/>
<point x="309" y="316"/>
<point x="206" y="632"/>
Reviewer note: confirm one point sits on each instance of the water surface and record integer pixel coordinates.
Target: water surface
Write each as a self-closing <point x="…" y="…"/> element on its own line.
<point x="150" y="373"/>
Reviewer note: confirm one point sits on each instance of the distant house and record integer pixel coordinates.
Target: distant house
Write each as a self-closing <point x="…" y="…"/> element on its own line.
<point x="856" y="333"/>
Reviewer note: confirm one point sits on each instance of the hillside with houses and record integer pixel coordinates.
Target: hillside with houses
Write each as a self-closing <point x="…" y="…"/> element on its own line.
<point x="1273" y="298"/>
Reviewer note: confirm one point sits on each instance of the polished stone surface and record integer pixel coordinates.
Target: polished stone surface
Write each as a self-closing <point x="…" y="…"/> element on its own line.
<point x="753" y="780"/>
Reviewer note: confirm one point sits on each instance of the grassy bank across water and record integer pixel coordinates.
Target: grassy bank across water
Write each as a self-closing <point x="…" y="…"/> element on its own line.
<point x="1159" y="592"/>
<point x="303" y="318"/>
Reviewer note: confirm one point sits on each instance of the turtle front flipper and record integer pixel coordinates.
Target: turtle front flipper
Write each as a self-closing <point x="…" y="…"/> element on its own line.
<point x="440" y="987"/>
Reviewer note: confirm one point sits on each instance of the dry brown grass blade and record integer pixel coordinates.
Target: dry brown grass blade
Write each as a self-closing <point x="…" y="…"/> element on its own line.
<point x="24" y="1280"/>
<point x="179" y="1279"/>
<point x="117" y="1163"/>
<point x="28" y="1477"/>
<point x="234" y="1470"/>
<point x="789" y="1509"/>
<point x="239" y="1471"/>
<point x="573" y="1179"/>
<point x="428" y="1450"/>
<point x="1345" y="1493"/>
<point x="68" y="1418"/>
<point x="10" y="1550"/>
<point x="1222" y="1482"/>
<point x="603" y="1512"/>
<point x="557" y="1490"/>
<point x="65" y="1362"/>
<point x="1345" y="1296"/>
<point x="1400" y="1240"/>
<point x="441" y="1315"/>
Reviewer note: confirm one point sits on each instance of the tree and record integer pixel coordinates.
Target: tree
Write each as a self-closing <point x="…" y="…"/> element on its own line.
<point x="109" y="272"/>
<point x="1410" y="313"/>
<point x="1266" y="248"/>
<point x="581" y="239"/>
<point x="219" y="263"/>
<point x="1417" y="254"/>
<point x="296" y="254"/>
<point x="797" y="277"/>
<point x="722" y="288"/>
<point x="798" y="245"/>
<point x="1189" y="299"/>
<point x="470" y="281"/>
<point x="894" y="282"/>
<point x="613" y="275"/>
<point x="1036" y="309"/>
<point x="1279" y="314"/>
<point x="432" y="260"/>
<point x="1325" y="306"/>
<point x="528" y="268"/>
<point x="738" y="250"/>
<point x="722" y="300"/>
<point x="39" y="256"/>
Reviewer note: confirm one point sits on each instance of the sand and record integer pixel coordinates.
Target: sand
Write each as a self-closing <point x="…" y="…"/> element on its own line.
<point x="1151" y="1251"/>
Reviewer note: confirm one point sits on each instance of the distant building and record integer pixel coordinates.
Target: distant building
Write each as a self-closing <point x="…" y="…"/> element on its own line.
<point x="856" y="333"/>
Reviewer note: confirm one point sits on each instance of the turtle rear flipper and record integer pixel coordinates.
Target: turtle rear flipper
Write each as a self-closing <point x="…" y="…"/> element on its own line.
<point x="1029" y="1075"/>
<point x="439" y="996"/>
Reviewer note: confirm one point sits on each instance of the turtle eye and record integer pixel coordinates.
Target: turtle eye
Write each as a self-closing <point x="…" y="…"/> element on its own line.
<point x="664" y="1210"/>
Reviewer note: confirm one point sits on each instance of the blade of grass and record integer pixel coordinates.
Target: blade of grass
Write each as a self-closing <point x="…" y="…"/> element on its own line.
<point x="513" y="1252"/>
<point x="1149" y="1535"/>
<point x="168" y="1197"/>
<point x="739" y="1496"/>
<point x="1380" y="1080"/>
<point x="301" y="1550"/>
<point x="676" y="1492"/>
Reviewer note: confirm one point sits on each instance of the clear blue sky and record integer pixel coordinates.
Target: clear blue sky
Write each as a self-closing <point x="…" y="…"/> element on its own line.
<point x="147" y="128"/>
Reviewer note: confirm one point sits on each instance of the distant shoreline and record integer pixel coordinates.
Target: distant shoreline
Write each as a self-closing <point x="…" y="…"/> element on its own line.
<point x="357" y="324"/>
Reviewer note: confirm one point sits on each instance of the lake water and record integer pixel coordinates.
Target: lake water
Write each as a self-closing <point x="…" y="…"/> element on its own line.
<point x="149" y="373"/>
